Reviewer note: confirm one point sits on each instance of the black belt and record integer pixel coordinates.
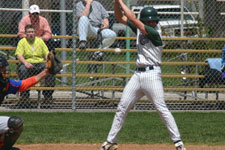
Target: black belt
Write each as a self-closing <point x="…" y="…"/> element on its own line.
<point x="142" y="69"/>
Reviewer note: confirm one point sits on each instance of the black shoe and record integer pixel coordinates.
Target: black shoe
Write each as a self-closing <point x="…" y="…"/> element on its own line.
<point x="82" y="44"/>
<point x="47" y="103"/>
<point x="24" y="105"/>
<point x="24" y="98"/>
<point x="98" y="55"/>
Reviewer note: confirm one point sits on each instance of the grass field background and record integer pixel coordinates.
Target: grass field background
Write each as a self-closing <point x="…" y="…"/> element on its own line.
<point x="139" y="128"/>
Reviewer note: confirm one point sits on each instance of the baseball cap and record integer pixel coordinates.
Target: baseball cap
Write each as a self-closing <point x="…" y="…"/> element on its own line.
<point x="34" y="9"/>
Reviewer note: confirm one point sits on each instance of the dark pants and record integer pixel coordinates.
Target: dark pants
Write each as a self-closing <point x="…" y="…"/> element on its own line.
<point x="51" y="45"/>
<point x="25" y="73"/>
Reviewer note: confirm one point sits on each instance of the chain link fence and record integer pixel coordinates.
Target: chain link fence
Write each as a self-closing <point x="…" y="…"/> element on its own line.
<point x="192" y="30"/>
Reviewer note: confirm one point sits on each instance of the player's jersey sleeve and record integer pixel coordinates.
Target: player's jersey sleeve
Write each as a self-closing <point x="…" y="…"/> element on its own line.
<point x="27" y="83"/>
<point x="13" y="86"/>
<point x="154" y="36"/>
<point x="20" y="85"/>
<point x="132" y="26"/>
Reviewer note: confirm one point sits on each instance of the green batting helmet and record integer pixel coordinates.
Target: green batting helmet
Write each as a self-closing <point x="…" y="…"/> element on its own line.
<point x="149" y="14"/>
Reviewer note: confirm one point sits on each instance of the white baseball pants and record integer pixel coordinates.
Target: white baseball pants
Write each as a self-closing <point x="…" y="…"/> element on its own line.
<point x="147" y="83"/>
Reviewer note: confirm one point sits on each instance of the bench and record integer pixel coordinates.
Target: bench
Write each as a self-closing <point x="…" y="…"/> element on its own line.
<point x="127" y="75"/>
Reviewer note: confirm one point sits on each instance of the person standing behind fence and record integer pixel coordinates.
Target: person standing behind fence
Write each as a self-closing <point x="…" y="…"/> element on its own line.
<point x="147" y="77"/>
<point x="93" y="18"/>
<point x="32" y="52"/>
<point x="40" y="24"/>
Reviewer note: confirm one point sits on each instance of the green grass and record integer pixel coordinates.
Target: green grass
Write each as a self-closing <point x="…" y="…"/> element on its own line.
<point x="140" y="127"/>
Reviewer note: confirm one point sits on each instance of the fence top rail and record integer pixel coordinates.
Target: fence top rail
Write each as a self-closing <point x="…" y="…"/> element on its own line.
<point x="70" y="11"/>
<point x="134" y="63"/>
<point x="121" y="62"/>
<point x="135" y="50"/>
<point x="120" y="88"/>
<point x="130" y="50"/>
<point x="127" y="38"/>
<point x="68" y="100"/>
<point x="119" y="75"/>
<point x="41" y="10"/>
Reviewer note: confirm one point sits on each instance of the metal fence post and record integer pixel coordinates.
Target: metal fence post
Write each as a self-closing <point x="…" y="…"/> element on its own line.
<point x="128" y="45"/>
<point x="74" y="59"/>
<point x="63" y="32"/>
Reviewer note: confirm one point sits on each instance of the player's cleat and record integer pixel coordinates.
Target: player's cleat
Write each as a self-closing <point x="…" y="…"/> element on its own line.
<point x="180" y="146"/>
<point x="109" y="146"/>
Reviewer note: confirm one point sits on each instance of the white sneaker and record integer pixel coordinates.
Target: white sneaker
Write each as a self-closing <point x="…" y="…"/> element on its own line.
<point x="180" y="146"/>
<point x="109" y="146"/>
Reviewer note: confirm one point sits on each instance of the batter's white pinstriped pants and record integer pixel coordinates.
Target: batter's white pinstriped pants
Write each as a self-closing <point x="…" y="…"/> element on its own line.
<point x="147" y="83"/>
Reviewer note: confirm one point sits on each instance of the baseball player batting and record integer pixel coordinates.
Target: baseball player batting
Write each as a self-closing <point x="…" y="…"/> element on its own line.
<point x="147" y="77"/>
<point x="12" y="127"/>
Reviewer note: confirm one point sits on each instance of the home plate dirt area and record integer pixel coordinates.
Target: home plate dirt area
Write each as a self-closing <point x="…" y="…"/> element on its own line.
<point x="121" y="147"/>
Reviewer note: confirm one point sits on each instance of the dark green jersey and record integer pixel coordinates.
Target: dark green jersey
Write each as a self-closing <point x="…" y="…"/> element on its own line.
<point x="149" y="47"/>
<point x="153" y="34"/>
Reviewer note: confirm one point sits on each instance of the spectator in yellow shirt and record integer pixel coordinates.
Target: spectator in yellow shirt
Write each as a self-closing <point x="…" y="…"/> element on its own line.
<point x="32" y="53"/>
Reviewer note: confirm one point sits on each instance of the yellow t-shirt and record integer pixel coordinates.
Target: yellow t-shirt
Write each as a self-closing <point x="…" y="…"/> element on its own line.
<point x="33" y="52"/>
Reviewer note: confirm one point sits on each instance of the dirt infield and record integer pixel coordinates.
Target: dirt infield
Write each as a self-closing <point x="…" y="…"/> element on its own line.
<point x="121" y="147"/>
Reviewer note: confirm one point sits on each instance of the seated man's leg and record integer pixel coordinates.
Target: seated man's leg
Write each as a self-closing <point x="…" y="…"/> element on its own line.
<point x="49" y="82"/>
<point x="51" y="45"/>
<point x="38" y="67"/>
<point x="83" y="27"/>
<point x="15" y="128"/>
<point x="109" y="38"/>
<point x="24" y="73"/>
